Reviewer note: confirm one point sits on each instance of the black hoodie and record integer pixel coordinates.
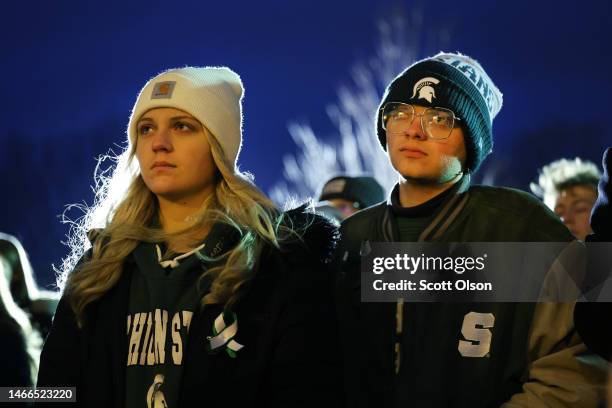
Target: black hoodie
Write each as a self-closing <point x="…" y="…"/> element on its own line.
<point x="286" y="325"/>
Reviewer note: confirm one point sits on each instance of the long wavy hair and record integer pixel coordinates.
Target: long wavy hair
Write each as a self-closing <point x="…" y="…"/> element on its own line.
<point x="122" y="215"/>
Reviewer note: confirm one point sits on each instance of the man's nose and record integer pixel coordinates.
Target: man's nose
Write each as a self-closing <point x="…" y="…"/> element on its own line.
<point x="415" y="130"/>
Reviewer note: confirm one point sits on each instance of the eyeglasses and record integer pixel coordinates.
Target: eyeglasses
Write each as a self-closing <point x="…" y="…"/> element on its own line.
<point x="437" y="123"/>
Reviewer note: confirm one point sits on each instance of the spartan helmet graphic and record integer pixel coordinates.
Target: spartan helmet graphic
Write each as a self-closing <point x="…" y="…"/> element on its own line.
<point x="155" y="396"/>
<point x="425" y="89"/>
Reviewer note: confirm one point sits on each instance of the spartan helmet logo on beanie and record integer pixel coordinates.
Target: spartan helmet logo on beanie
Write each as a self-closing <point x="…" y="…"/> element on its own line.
<point x="424" y="88"/>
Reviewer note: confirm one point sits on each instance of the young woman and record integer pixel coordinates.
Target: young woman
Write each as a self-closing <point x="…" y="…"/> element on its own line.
<point x="197" y="289"/>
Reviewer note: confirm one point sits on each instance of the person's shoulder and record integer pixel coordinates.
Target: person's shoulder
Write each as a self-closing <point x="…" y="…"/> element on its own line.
<point x="511" y="201"/>
<point x="515" y="206"/>
<point x="505" y="197"/>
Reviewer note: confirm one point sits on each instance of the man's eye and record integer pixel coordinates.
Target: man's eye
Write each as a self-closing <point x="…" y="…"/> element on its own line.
<point x="439" y="120"/>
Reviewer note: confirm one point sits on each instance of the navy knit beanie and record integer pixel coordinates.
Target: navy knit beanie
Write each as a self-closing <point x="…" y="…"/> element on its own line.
<point x="456" y="82"/>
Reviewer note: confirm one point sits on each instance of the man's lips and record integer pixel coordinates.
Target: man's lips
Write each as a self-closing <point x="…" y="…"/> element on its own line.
<point x="411" y="152"/>
<point x="162" y="164"/>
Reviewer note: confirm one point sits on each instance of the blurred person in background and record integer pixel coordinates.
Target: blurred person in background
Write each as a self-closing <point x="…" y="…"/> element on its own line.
<point x="19" y="343"/>
<point x="38" y="303"/>
<point x="569" y="188"/>
<point x="343" y="196"/>
<point x="594" y="319"/>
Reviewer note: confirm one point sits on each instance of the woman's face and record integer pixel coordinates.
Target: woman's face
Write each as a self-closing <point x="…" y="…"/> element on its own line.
<point x="175" y="158"/>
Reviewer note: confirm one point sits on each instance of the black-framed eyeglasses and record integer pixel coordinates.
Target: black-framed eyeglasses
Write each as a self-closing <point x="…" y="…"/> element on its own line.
<point x="437" y="123"/>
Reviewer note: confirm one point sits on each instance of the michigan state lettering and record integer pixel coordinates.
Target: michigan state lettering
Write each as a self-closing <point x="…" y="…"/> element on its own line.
<point x="148" y="333"/>
<point x="475" y="331"/>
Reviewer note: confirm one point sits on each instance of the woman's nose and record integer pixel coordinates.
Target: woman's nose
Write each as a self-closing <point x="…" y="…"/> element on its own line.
<point x="162" y="140"/>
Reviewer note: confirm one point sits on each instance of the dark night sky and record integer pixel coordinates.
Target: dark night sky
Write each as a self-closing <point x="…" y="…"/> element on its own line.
<point x="71" y="72"/>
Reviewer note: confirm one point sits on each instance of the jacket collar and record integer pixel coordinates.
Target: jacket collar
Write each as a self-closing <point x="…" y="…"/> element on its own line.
<point x="447" y="211"/>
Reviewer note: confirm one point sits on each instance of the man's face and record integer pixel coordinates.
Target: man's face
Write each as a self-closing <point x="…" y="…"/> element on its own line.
<point x="422" y="159"/>
<point x="574" y="206"/>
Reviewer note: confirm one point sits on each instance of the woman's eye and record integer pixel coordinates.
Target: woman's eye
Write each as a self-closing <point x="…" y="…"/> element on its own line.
<point x="182" y="126"/>
<point x="144" y="129"/>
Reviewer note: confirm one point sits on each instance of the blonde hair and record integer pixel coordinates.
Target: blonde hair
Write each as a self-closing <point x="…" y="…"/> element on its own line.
<point x="124" y="208"/>
<point x="562" y="174"/>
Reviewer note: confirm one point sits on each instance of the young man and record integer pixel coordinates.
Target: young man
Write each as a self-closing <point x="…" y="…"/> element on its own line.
<point x="435" y="122"/>
<point x="569" y="188"/>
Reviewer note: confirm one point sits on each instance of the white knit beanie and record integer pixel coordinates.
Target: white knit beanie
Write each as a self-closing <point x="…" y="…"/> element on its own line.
<point x="212" y="95"/>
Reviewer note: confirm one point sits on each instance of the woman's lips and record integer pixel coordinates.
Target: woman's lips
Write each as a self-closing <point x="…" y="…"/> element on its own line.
<point x="162" y="164"/>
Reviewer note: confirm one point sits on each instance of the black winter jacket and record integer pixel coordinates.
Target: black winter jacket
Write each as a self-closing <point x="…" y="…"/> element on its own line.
<point x="532" y="357"/>
<point x="286" y="323"/>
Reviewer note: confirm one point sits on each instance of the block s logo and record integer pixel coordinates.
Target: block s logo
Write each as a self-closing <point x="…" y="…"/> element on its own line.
<point x="475" y="331"/>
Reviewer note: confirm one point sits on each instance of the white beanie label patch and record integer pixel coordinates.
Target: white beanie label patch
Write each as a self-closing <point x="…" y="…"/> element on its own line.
<point x="425" y="89"/>
<point x="163" y="90"/>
